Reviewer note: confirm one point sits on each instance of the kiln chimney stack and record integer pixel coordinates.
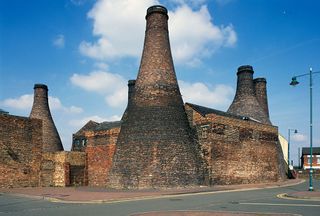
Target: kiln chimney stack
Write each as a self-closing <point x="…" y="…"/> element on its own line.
<point x="41" y="110"/>
<point x="260" y="87"/>
<point x="245" y="102"/>
<point x="154" y="147"/>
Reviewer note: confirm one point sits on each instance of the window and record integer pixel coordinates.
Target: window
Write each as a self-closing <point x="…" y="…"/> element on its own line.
<point x="76" y="142"/>
<point x="84" y="142"/>
<point x="204" y="131"/>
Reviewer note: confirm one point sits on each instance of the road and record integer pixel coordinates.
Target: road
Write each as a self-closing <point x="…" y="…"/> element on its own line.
<point x="263" y="200"/>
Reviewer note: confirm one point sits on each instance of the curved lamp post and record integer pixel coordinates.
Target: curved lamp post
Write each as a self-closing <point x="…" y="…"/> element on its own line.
<point x="295" y="82"/>
<point x="294" y="131"/>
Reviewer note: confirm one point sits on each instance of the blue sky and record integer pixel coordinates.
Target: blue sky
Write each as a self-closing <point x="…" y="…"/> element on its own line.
<point x="86" y="50"/>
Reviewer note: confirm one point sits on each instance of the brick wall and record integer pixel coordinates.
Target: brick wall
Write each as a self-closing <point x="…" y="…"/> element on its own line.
<point x="20" y="151"/>
<point x="238" y="151"/>
<point x="100" y="150"/>
<point x="63" y="169"/>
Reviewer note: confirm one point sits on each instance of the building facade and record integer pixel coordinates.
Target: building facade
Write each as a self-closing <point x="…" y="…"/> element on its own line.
<point x="306" y="159"/>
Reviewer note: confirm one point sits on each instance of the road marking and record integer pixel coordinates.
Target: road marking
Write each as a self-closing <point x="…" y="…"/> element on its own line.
<point x="281" y="204"/>
<point x="285" y="196"/>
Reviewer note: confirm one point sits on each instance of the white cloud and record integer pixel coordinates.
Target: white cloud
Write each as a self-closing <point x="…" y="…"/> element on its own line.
<point x="25" y="102"/>
<point x="118" y="98"/>
<point x="124" y="40"/>
<point x="188" y="44"/>
<point x="113" y="86"/>
<point x="199" y="93"/>
<point x="75" y="109"/>
<point x="101" y="65"/>
<point x="21" y="103"/>
<point x="83" y="121"/>
<point x="299" y="137"/>
<point x="59" y="41"/>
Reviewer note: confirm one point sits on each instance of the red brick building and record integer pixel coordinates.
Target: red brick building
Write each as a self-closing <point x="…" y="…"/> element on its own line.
<point x="305" y="158"/>
<point x="98" y="141"/>
<point x="236" y="149"/>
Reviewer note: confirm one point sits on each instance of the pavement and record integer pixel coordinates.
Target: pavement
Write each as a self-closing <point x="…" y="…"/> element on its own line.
<point x="105" y="195"/>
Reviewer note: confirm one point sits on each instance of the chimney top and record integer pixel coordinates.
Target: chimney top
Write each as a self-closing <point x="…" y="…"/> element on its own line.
<point x="260" y="79"/>
<point x="39" y="85"/>
<point x="157" y="9"/>
<point x="131" y="82"/>
<point x="245" y="68"/>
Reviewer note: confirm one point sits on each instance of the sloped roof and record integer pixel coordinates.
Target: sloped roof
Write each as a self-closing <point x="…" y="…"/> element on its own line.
<point x="90" y="125"/>
<point x="306" y="150"/>
<point x="3" y="111"/>
<point x="94" y="126"/>
<point x="205" y="111"/>
<point x="107" y="125"/>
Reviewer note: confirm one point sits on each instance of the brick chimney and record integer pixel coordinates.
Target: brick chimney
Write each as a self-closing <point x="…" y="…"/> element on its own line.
<point x="154" y="147"/>
<point x="41" y="110"/>
<point x="131" y="84"/>
<point x="260" y="87"/>
<point x="245" y="102"/>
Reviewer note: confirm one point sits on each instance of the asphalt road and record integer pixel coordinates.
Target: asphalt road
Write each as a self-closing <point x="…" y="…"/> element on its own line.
<point x="263" y="201"/>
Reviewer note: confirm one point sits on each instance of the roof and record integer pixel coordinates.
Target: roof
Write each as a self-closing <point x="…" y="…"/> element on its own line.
<point x="94" y="126"/>
<point x="90" y="125"/>
<point x="107" y="125"/>
<point x="3" y="111"/>
<point x="205" y="111"/>
<point x="306" y="150"/>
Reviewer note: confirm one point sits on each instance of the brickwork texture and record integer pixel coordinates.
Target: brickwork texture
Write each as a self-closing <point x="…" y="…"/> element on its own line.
<point x="245" y="102"/>
<point x="154" y="148"/>
<point x="40" y="110"/>
<point x="238" y="151"/>
<point x="20" y="151"/>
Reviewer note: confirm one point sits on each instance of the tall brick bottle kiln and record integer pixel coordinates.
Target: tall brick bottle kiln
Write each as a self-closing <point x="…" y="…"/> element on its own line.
<point x="246" y="102"/>
<point x="154" y="148"/>
<point x="260" y="87"/>
<point x="41" y="110"/>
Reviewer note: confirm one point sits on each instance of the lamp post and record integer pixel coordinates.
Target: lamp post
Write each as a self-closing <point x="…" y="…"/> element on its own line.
<point x="294" y="131"/>
<point x="294" y="82"/>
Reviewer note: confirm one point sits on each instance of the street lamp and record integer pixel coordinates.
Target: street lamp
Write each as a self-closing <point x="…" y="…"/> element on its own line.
<point x="294" y="131"/>
<point x="294" y="82"/>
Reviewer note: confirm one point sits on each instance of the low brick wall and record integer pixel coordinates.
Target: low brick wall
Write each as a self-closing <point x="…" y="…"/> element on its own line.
<point x="63" y="169"/>
<point x="20" y="151"/>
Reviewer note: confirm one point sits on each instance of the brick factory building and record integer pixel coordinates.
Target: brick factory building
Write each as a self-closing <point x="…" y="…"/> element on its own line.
<point x="159" y="142"/>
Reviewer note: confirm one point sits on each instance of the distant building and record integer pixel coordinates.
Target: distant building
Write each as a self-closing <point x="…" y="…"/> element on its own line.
<point x="305" y="158"/>
<point x="284" y="145"/>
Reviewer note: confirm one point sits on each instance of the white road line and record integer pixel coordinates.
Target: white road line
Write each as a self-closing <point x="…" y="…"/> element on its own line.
<point x="281" y="204"/>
